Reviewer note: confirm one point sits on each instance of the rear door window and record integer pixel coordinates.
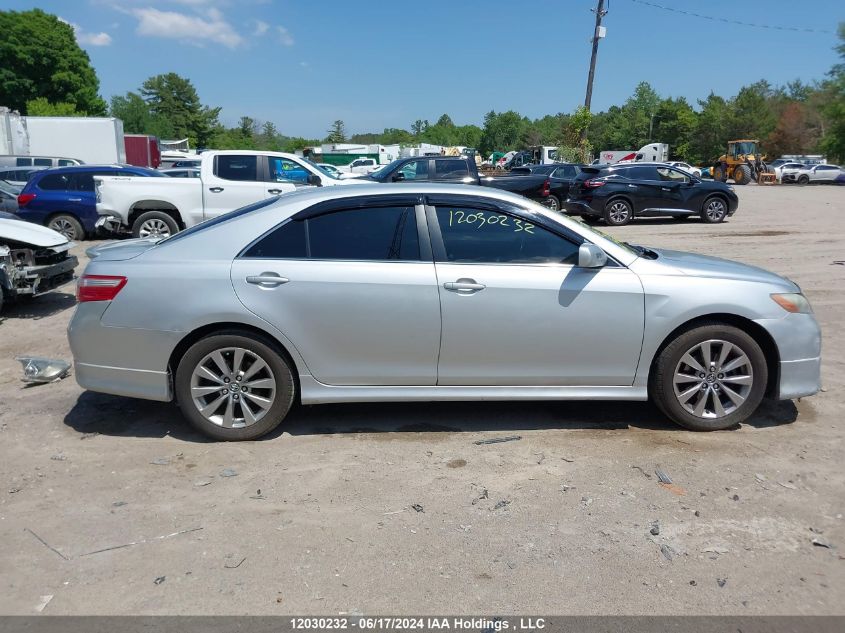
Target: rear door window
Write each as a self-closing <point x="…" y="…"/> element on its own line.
<point x="450" y="169"/>
<point x="55" y="182"/>
<point x="374" y="234"/>
<point x="23" y="162"/>
<point x="42" y="162"/>
<point x="236" y="167"/>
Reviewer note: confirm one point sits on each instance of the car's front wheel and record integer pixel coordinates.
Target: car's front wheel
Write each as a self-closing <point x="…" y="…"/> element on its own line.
<point x="714" y="210"/>
<point x="618" y="212"/>
<point x="234" y="386"/>
<point x="803" y="180"/>
<point x="709" y="378"/>
<point x="67" y="225"/>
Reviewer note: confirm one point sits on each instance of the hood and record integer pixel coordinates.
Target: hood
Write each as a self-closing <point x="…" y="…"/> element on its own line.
<point x="29" y="233"/>
<point x="716" y="268"/>
<point x="124" y="249"/>
<point x="358" y="179"/>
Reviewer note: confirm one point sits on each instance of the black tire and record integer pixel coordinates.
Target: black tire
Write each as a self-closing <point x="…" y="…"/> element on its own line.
<point x="714" y="210"/>
<point x="742" y="175"/>
<point x="67" y="225"/>
<point x="803" y="180"/>
<point x="153" y="224"/>
<point x="618" y="212"/>
<point x="662" y="385"/>
<point x="552" y="202"/>
<point x="285" y="385"/>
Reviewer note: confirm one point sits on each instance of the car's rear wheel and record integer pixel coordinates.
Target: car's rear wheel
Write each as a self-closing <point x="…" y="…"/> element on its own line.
<point x="710" y="378"/>
<point x="618" y="212"/>
<point x="714" y="210"/>
<point x="552" y="203"/>
<point x="234" y="386"/>
<point x="67" y="225"/>
<point x="154" y="224"/>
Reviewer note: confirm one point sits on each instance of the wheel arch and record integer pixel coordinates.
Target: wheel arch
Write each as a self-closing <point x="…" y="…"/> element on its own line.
<point x="142" y="206"/>
<point x="756" y="331"/>
<point x="232" y="328"/>
<point x="716" y="194"/>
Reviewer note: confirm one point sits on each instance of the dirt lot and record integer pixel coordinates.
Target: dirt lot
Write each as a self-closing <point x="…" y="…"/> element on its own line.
<point x="319" y="518"/>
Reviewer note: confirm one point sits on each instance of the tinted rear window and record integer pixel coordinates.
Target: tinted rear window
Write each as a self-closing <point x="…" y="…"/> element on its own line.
<point x="55" y="182"/>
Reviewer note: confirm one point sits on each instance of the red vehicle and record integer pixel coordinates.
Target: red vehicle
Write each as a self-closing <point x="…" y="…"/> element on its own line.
<point x="142" y="150"/>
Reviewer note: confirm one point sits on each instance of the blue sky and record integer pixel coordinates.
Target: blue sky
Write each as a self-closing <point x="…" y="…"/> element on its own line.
<point x="382" y="63"/>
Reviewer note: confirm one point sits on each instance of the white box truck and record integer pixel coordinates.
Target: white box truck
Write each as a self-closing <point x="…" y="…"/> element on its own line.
<point x="93" y="140"/>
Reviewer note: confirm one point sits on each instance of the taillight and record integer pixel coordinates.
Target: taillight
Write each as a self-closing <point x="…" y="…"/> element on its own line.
<point x="25" y="198"/>
<point x="546" y="188"/>
<point x="99" y="287"/>
<point x="592" y="184"/>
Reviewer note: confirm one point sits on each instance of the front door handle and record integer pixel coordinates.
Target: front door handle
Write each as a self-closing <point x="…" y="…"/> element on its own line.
<point x="275" y="192"/>
<point x="267" y="280"/>
<point x="633" y="186"/>
<point x="464" y="286"/>
<point x="74" y="199"/>
<point x="666" y="189"/>
<point x="215" y="189"/>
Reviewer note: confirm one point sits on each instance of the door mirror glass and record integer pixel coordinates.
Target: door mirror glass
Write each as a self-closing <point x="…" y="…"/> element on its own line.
<point x="591" y="256"/>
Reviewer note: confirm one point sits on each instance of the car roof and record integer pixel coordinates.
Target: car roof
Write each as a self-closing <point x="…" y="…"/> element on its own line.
<point x="84" y="168"/>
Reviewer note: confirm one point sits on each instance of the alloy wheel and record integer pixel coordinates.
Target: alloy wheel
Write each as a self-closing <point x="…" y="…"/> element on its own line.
<point x="233" y="387"/>
<point x="715" y="210"/>
<point x="63" y="226"/>
<point x="713" y="379"/>
<point x="154" y="228"/>
<point x="618" y="212"/>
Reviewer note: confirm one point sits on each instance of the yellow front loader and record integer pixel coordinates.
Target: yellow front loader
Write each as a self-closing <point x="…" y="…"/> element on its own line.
<point x="742" y="163"/>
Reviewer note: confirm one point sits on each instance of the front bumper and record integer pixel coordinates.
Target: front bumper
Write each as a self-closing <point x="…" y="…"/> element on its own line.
<point x="798" y="339"/>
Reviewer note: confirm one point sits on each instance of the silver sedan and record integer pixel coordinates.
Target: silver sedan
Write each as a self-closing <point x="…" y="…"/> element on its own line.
<point x="385" y="293"/>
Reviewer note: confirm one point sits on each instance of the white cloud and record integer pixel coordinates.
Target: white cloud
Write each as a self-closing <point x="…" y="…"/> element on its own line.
<point x="260" y="28"/>
<point x="194" y="29"/>
<point x="284" y="36"/>
<point x="83" y="37"/>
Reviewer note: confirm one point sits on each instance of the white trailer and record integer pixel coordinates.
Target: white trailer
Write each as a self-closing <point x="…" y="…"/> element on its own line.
<point x="652" y="153"/>
<point x="13" y="137"/>
<point x="93" y="140"/>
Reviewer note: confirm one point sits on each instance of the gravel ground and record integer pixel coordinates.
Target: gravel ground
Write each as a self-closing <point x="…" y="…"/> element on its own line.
<point x="393" y="509"/>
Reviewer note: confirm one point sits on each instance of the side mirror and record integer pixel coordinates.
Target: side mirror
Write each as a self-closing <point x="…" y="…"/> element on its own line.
<point x="314" y="179"/>
<point x="591" y="256"/>
<point x="398" y="177"/>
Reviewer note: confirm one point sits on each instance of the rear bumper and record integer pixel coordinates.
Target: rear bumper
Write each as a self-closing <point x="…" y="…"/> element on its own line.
<point x="119" y="381"/>
<point x="579" y="208"/>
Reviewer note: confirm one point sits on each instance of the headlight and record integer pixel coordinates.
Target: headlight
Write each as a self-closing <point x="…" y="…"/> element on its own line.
<point x="793" y="302"/>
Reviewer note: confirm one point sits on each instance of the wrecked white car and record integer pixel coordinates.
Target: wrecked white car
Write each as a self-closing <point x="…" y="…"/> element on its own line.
<point x="33" y="259"/>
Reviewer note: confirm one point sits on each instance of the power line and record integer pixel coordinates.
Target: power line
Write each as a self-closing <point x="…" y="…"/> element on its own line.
<point x="714" y="18"/>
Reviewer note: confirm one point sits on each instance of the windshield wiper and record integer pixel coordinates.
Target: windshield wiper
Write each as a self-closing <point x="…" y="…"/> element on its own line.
<point x="642" y="251"/>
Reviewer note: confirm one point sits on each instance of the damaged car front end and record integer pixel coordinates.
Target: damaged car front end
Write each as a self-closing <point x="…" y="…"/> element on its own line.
<point x="33" y="259"/>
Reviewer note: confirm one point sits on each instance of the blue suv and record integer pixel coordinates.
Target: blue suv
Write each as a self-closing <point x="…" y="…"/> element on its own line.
<point x="64" y="200"/>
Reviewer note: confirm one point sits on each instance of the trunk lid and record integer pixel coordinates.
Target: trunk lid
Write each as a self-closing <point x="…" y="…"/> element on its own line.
<point x="122" y="250"/>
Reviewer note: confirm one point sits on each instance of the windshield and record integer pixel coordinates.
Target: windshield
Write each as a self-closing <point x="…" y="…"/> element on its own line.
<point x="323" y="171"/>
<point x="379" y="173"/>
<point x="207" y="224"/>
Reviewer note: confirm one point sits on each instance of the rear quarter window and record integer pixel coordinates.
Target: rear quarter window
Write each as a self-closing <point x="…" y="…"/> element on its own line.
<point x="55" y="182"/>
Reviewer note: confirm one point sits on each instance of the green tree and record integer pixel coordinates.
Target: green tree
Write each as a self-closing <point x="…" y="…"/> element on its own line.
<point x="135" y="114"/>
<point x="174" y="99"/>
<point x="711" y="130"/>
<point x="39" y="57"/>
<point x="674" y="124"/>
<point x="42" y="107"/>
<point x="337" y="133"/>
<point x="501" y="131"/>
<point x="833" y="141"/>
<point x="418" y="127"/>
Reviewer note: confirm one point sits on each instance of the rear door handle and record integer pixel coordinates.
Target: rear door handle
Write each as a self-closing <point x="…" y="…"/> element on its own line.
<point x="74" y="199"/>
<point x="267" y="280"/>
<point x="464" y="285"/>
<point x="275" y="192"/>
<point x="633" y="186"/>
<point x="215" y="189"/>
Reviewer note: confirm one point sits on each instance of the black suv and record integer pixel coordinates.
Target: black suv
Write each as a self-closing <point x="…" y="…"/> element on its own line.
<point x="618" y="193"/>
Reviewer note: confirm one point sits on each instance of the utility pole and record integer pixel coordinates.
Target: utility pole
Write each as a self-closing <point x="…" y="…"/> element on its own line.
<point x="597" y="35"/>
